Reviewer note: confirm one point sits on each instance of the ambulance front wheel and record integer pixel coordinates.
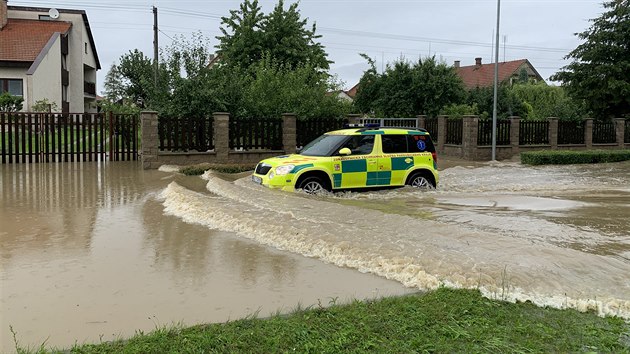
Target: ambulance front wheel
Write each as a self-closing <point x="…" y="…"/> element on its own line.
<point x="313" y="185"/>
<point x="421" y="180"/>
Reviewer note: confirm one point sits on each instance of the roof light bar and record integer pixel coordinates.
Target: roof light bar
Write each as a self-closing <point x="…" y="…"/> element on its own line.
<point x="367" y="125"/>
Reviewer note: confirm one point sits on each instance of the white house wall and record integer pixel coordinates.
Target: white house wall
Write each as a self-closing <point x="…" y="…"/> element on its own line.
<point x="46" y="80"/>
<point x="77" y="39"/>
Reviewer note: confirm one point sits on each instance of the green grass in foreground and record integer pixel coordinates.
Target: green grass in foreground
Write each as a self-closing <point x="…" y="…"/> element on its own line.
<point x="565" y="157"/>
<point x="440" y="321"/>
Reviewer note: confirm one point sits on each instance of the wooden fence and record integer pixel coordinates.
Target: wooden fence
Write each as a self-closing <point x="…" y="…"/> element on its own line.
<point x="57" y="137"/>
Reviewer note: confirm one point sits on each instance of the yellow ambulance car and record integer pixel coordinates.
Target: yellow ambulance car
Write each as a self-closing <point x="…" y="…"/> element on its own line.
<point x="355" y="158"/>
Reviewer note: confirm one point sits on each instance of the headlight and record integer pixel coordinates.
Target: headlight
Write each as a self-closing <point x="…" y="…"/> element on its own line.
<point x="284" y="169"/>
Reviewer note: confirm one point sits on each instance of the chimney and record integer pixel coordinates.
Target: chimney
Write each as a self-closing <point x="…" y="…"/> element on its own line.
<point x="478" y="61"/>
<point x="457" y="63"/>
<point x="4" y="14"/>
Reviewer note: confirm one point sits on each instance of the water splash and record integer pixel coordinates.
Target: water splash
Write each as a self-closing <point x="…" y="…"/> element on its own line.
<point x="419" y="253"/>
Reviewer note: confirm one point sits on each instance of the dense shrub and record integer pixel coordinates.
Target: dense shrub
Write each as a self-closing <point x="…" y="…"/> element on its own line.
<point x="565" y="157"/>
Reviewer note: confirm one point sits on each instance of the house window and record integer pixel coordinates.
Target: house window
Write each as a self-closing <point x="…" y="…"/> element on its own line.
<point x="85" y="48"/>
<point x="45" y="18"/>
<point x="12" y="86"/>
<point x="64" y="93"/>
<point x="64" y="62"/>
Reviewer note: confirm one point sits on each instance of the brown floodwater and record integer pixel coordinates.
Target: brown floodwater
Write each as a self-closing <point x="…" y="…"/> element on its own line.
<point x="94" y="252"/>
<point x="88" y="254"/>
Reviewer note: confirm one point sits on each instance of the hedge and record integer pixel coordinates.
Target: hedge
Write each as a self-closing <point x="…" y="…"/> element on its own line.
<point x="565" y="157"/>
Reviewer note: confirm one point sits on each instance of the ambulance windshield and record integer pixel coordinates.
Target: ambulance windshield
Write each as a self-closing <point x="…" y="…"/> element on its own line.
<point x="325" y="145"/>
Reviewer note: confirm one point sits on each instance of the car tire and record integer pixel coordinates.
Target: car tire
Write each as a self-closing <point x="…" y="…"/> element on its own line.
<point x="421" y="180"/>
<point x="313" y="185"/>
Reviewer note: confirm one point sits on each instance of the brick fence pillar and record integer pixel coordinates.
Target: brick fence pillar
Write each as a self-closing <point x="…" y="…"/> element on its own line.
<point x="421" y="121"/>
<point x="150" y="139"/>
<point x="620" y="129"/>
<point x="441" y="138"/>
<point x="588" y="133"/>
<point x="553" y="132"/>
<point x="352" y="118"/>
<point x="515" y="134"/>
<point x="221" y="127"/>
<point x="469" y="136"/>
<point x="289" y="133"/>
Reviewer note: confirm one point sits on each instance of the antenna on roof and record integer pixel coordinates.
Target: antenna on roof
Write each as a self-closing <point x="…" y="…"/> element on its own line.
<point x="53" y="13"/>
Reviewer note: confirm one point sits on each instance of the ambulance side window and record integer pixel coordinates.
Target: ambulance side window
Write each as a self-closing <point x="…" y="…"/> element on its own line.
<point x="394" y="144"/>
<point x="360" y="144"/>
<point x="420" y="143"/>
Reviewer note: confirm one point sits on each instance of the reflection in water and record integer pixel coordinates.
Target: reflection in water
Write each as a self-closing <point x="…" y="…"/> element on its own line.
<point x="89" y="244"/>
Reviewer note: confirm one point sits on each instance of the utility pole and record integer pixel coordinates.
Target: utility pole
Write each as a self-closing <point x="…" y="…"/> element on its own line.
<point x="155" y="45"/>
<point x="496" y="86"/>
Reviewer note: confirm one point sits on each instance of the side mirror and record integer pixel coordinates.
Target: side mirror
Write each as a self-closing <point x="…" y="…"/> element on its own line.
<point x="345" y="151"/>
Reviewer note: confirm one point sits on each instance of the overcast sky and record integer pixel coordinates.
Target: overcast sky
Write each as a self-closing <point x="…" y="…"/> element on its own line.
<point x="539" y="30"/>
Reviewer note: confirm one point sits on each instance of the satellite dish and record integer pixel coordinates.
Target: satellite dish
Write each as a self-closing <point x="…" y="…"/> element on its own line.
<point x="53" y="13"/>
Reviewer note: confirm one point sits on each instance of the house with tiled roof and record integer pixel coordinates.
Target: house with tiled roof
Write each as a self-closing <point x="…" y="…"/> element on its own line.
<point x="482" y="75"/>
<point x="48" y="54"/>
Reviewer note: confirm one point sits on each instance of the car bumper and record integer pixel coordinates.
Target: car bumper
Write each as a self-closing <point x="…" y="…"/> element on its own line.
<point x="285" y="183"/>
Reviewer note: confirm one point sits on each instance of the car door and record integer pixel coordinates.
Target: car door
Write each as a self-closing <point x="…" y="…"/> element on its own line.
<point x="354" y="167"/>
<point x="395" y="161"/>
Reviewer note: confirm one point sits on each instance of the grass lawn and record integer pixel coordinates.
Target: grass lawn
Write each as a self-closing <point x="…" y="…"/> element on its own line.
<point x="444" y="320"/>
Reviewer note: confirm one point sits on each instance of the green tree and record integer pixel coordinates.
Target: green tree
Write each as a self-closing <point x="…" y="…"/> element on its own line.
<point x="600" y="71"/>
<point x="508" y="103"/>
<point x="548" y="101"/>
<point x="276" y="88"/>
<point x="10" y="103"/>
<point x="289" y="41"/>
<point x="249" y="35"/>
<point x="136" y="73"/>
<point x="115" y="89"/>
<point x="44" y="105"/>
<point x="405" y="90"/>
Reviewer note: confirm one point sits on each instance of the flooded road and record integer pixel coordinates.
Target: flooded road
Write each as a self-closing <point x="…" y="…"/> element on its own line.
<point x="92" y="252"/>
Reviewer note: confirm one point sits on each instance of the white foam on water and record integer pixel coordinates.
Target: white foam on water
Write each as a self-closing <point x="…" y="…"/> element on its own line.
<point x="423" y="254"/>
<point x="169" y="168"/>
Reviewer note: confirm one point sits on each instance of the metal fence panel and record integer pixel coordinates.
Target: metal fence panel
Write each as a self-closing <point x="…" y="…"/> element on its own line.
<point x="570" y="132"/>
<point x="533" y="133"/>
<point x="604" y="133"/>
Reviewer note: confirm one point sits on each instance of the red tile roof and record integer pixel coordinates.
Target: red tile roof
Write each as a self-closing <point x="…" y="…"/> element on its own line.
<point x="23" y="40"/>
<point x="483" y="75"/>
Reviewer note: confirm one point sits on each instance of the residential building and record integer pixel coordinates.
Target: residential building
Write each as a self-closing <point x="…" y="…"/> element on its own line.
<point x="482" y="75"/>
<point x="48" y="54"/>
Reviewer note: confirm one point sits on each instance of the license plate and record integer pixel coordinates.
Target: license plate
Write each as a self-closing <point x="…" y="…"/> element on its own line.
<point x="257" y="179"/>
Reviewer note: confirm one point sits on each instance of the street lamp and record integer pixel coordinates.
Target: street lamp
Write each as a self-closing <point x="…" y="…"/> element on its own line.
<point x="496" y="86"/>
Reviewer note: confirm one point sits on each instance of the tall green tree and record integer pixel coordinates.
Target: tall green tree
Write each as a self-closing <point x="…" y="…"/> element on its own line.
<point x="248" y="35"/>
<point x="405" y="89"/>
<point x="600" y="71"/>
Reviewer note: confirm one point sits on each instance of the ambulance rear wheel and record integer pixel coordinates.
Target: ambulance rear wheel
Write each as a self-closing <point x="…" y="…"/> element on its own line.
<point x="313" y="185"/>
<point x="421" y="180"/>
